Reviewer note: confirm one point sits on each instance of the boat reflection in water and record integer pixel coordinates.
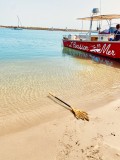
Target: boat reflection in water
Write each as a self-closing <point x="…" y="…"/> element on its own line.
<point x="93" y="57"/>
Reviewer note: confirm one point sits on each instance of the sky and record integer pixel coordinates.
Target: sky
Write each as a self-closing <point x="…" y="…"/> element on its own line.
<point x="53" y="13"/>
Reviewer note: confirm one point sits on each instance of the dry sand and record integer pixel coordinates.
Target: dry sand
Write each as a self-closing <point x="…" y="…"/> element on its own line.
<point x="66" y="138"/>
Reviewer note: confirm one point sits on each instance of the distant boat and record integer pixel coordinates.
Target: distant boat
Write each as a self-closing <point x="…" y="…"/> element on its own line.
<point x="19" y="26"/>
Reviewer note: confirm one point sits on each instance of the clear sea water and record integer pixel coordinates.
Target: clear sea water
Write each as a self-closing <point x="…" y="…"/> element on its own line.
<point x="34" y="63"/>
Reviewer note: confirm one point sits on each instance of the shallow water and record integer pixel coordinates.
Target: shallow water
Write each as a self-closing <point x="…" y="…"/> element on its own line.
<point x="34" y="63"/>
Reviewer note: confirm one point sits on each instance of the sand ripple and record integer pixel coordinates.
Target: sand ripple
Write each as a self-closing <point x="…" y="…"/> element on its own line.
<point x="24" y="87"/>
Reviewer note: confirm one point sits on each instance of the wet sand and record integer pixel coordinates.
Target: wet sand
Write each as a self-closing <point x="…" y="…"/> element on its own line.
<point x="34" y="126"/>
<point x="66" y="138"/>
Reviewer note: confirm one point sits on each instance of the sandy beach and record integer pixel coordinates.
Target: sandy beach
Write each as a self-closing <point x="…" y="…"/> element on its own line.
<point x="34" y="126"/>
<point x="66" y="138"/>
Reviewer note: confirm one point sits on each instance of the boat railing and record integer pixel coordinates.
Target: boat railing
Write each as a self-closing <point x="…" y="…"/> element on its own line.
<point x="76" y="37"/>
<point x="84" y="37"/>
<point x="105" y="37"/>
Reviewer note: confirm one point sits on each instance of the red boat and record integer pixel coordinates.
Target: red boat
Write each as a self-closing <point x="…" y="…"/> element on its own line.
<point x="101" y="43"/>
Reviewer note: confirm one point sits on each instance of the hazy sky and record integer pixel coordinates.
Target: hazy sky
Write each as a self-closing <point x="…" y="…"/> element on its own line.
<point x="52" y="13"/>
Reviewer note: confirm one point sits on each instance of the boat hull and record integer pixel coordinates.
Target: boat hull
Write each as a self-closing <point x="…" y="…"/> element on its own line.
<point x="17" y="28"/>
<point x="104" y="48"/>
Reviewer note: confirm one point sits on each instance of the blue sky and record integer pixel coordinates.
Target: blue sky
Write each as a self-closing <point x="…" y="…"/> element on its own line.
<point x="52" y="13"/>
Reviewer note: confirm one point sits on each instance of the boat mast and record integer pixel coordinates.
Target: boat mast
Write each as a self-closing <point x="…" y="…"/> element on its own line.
<point x="94" y="12"/>
<point x="19" y="22"/>
<point x="90" y="27"/>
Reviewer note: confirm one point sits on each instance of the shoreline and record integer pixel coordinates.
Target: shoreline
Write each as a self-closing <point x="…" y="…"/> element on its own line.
<point x="67" y="138"/>
<point x="45" y="28"/>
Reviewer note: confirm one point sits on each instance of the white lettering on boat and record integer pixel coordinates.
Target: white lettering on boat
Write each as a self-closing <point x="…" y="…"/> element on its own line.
<point x="71" y="43"/>
<point x="78" y="46"/>
<point x="105" y="49"/>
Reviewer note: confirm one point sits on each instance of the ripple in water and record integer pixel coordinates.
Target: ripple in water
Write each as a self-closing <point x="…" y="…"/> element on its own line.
<point x="32" y="63"/>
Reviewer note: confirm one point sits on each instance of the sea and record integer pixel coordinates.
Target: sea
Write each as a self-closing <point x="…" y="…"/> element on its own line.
<point x="34" y="63"/>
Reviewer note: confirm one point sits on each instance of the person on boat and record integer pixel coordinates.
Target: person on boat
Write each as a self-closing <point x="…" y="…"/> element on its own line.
<point x="117" y="33"/>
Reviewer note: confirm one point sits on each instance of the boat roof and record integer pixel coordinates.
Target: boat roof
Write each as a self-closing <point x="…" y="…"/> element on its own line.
<point x="102" y="17"/>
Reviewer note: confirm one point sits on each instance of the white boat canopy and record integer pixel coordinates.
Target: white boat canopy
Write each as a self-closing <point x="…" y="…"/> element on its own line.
<point x="101" y="17"/>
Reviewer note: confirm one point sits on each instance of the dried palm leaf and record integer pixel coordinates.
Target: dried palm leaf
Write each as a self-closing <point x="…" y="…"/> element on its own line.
<point x="78" y="114"/>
